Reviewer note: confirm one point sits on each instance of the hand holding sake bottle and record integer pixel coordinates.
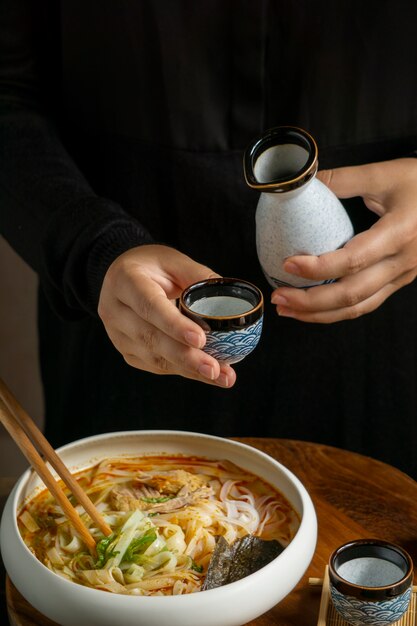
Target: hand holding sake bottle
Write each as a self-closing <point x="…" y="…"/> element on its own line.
<point x="368" y="267"/>
<point x="296" y="213"/>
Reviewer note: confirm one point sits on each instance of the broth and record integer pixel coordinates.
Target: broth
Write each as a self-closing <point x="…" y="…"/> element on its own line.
<point x="165" y="513"/>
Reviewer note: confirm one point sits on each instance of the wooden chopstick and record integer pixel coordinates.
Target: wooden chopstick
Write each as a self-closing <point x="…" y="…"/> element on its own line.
<point x="20" y="426"/>
<point x="325" y="599"/>
<point x="22" y="440"/>
<point x="47" y="450"/>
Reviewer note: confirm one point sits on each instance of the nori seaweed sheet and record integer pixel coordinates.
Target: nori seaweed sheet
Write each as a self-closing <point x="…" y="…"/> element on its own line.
<point x="231" y="562"/>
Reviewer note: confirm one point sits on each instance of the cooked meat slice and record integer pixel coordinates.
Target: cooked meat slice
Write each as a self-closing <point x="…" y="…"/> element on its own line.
<point x="146" y="492"/>
<point x="171" y="481"/>
<point x="130" y="499"/>
<point x="179" y="501"/>
<point x="126" y="500"/>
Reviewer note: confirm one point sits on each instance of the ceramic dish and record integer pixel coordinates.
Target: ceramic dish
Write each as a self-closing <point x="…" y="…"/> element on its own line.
<point x="234" y="604"/>
<point x="230" y="311"/>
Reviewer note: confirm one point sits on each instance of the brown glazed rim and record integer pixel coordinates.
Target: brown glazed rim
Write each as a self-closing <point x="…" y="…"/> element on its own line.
<point x="369" y="547"/>
<point x="274" y="137"/>
<point x="225" y="322"/>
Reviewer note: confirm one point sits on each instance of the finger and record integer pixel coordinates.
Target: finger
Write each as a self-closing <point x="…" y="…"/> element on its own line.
<point x="340" y="314"/>
<point x="156" y="350"/>
<point x="188" y="272"/>
<point x="149" y="302"/>
<point x="349" y="291"/>
<point x="144" y="340"/>
<point x="355" y="180"/>
<point x="350" y="311"/>
<point x="173" y="270"/>
<point x="364" y="250"/>
<point x="226" y="378"/>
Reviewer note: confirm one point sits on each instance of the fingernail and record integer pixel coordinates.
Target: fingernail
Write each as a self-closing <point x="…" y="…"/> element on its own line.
<point x="223" y="380"/>
<point x="282" y="312"/>
<point x="207" y="371"/>
<point x="194" y="339"/>
<point x="292" y="268"/>
<point x="278" y="299"/>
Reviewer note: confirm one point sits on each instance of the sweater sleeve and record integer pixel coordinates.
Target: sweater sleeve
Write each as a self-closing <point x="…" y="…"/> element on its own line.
<point x="48" y="211"/>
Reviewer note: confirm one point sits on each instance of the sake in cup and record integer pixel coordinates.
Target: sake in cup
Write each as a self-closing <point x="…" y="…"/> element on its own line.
<point x="370" y="582"/>
<point x="230" y="311"/>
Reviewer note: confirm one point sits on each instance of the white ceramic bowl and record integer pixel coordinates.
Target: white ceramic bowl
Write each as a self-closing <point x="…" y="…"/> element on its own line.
<point x="234" y="604"/>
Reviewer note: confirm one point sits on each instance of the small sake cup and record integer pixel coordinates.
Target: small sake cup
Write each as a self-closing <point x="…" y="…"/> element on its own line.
<point x="370" y="582"/>
<point x="230" y="311"/>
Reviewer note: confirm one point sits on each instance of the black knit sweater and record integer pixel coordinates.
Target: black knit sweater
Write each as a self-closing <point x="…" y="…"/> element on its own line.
<point x="125" y="122"/>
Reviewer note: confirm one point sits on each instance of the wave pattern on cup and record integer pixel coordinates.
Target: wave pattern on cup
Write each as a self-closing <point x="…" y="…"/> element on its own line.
<point x="231" y="348"/>
<point x="358" y="613"/>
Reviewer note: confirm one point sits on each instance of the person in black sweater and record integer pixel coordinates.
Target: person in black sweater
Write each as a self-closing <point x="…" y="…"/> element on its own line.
<point x="122" y="131"/>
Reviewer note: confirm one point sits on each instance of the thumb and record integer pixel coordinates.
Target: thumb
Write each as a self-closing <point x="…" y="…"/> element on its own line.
<point x="187" y="271"/>
<point x="347" y="182"/>
<point x="193" y="274"/>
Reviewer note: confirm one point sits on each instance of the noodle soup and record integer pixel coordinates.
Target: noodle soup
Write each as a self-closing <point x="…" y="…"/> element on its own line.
<point x="166" y="514"/>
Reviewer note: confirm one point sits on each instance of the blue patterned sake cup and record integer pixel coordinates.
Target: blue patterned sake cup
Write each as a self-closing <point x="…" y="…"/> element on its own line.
<point x="230" y="311"/>
<point x="370" y="582"/>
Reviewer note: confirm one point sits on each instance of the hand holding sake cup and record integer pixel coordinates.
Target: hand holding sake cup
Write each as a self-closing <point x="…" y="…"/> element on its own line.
<point x="230" y="311"/>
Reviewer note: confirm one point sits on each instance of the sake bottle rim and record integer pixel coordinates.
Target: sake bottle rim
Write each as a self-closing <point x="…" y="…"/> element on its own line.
<point x="276" y="136"/>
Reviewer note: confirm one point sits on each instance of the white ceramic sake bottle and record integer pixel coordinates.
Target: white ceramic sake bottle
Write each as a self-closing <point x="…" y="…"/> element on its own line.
<point x="296" y="213"/>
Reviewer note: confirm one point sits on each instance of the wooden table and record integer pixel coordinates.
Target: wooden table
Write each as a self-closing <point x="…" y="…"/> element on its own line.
<point x="354" y="496"/>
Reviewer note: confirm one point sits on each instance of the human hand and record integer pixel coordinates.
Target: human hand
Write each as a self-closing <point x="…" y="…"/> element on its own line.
<point x="137" y="309"/>
<point x="373" y="264"/>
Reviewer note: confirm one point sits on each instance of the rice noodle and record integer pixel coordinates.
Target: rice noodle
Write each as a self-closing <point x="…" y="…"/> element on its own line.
<point x="165" y="552"/>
